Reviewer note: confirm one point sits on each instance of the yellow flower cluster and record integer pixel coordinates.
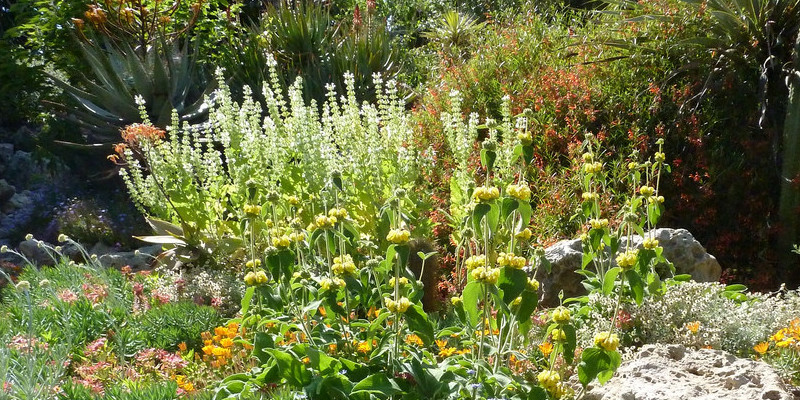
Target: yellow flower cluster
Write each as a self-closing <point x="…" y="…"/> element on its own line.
<point x="282" y="241"/>
<point x="520" y="192"/>
<point x="399" y="306"/>
<point x="331" y="284"/>
<point x="485" y="194"/>
<point x="403" y="281"/>
<point x="533" y="285"/>
<point x="485" y="275"/>
<point x="525" y="138"/>
<point x="549" y="380"/>
<point x="475" y="262"/>
<point x="647" y="191"/>
<point x="293" y="200"/>
<point x="343" y="265"/>
<point x="217" y="349"/>
<point x="253" y="264"/>
<point x="252" y="210"/>
<point x="337" y="213"/>
<point x="587" y="157"/>
<point x="324" y="222"/>
<point x="590" y="196"/>
<point x="297" y="236"/>
<point x="524" y="234"/>
<point x="597" y="223"/>
<point x="627" y="259"/>
<point x="558" y="335"/>
<point x="456" y="300"/>
<point x="593" y="167"/>
<point x="660" y="157"/>
<point x="398" y="236"/>
<point x="656" y="199"/>
<point x="561" y="315"/>
<point x="607" y="341"/>
<point x="511" y="260"/>
<point x="256" y="278"/>
<point x="650" y="243"/>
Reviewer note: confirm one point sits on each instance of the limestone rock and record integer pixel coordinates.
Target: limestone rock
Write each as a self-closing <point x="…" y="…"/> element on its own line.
<point x="673" y="372"/>
<point x="137" y="261"/>
<point x="35" y="251"/>
<point x="680" y="247"/>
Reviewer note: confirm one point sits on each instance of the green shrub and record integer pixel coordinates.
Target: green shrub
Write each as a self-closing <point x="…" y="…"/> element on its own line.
<point x="168" y="325"/>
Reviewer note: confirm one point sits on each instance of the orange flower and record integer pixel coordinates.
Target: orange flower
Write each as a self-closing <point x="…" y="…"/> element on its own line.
<point x="761" y="348"/>
<point x="447" y="351"/>
<point x="415" y="340"/>
<point x="226" y="342"/>
<point x="208" y="349"/>
<point x="693" y="327"/>
<point x="364" y="347"/>
<point x="441" y="343"/>
<point x="220" y="331"/>
<point x="546" y="348"/>
<point x="182" y="346"/>
<point x="332" y="348"/>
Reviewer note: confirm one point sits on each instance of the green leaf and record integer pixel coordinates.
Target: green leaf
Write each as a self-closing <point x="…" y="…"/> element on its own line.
<point x="471" y="296"/>
<point x="597" y="364"/>
<point x="570" y="344"/>
<point x="636" y="284"/>
<point x="481" y="209"/>
<point x="418" y="322"/>
<point x="378" y="385"/>
<point x="261" y="345"/>
<point x="248" y="297"/>
<point x="508" y="206"/>
<point x="511" y="282"/>
<point x="291" y="368"/>
<point x="529" y="302"/>
<point x="609" y="279"/>
<point x="537" y="393"/>
<point x="488" y="158"/>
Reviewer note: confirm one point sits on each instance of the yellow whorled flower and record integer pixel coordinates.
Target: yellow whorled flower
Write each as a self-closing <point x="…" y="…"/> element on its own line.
<point x="293" y="200"/>
<point x="607" y="341"/>
<point x="456" y="300"/>
<point x="587" y="157"/>
<point x="403" y="281"/>
<point x="647" y="191"/>
<point x="656" y="199"/>
<point x="561" y="315"/>
<point x="399" y="306"/>
<point x="331" y="284"/>
<point x="520" y="192"/>
<point x="324" y="222"/>
<point x="590" y="196"/>
<point x="597" y="223"/>
<point x="475" y="262"/>
<point x="558" y="335"/>
<point x="627" y="259"/>
<point x="650" y="243"/>
<point x="297" y="236"/>
<point x="511" y="260"/>
<point x="660" y="157"/>
<point x="485" y="194"/>
<point x="398" y="236"/>
<point x="261" y="277"/>
<point x="524" y="234"/>
<point x="592" y="167"/>
<point x="339" y="213"/>
<point x="485" y="275"/>
<point x="252" y="210"/>
<point x="343" y="265"/>
<point x="532" y="285"/>
<point x="549" y="380"/>
<point x="281" y="242"/>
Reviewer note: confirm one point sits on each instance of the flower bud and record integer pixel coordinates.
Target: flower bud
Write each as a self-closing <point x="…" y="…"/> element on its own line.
<point x="29" y="236"/>
<point x="23" y="286"/>
<point x="63" y="238"/>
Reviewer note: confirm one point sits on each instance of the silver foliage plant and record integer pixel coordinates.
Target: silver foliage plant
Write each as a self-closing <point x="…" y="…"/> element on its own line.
<point x="291" y="149"/>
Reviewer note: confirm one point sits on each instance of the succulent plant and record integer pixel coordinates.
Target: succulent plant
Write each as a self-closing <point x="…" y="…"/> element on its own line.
<point x="165" y="75"/>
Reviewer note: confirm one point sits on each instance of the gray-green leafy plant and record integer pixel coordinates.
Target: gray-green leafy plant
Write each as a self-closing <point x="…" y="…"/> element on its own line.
<point x="453" y="33"/>
<point x="165" y="75"/>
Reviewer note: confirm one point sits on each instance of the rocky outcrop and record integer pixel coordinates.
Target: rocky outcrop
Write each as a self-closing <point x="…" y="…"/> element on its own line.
<point x="673" y="372"/>
<point x="680" y="248"/>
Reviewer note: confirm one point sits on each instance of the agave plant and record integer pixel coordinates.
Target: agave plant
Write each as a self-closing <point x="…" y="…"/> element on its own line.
<point x="166" y="77"/>
<point x="454" y="32"/>
<point x="364" y="50"/>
